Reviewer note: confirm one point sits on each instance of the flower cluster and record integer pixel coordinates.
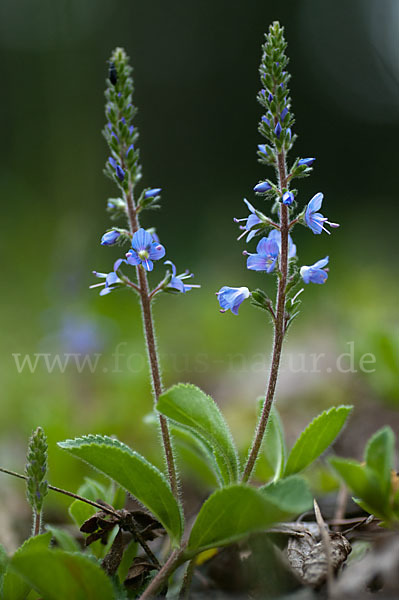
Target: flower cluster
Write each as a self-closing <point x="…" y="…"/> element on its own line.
<point x="124" y="168"/>
<point x="276" y="251"/>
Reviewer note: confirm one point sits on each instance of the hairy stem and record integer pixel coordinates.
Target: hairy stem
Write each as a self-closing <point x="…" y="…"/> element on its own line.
<point x="188" y="576"/>
<point x="279" y="328"/>
<point x="151" y="348"/>
<point x="161" y="578"/>
<point x="37" y="523"/>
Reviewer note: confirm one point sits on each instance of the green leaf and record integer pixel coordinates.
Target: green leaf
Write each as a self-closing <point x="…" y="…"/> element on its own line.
<point x="316" y="438"/>
<point x="3" y="567"/>
<point x="191" y="408"/>
<point x="60" y="575"/>
<point x="379" y="456"/>
<point x="80" y="512"/>
<point x="198" y="458"/>
<point x="229" y="514"/>
<point x="129" y="554"/>
<point x="274" y="443"/>
<point x="64" y="539"/>
<point x="362" y="481"/>
<point x="291" y="495"/>
<point x="134" y="473"/>
<point x="14" y="586"/>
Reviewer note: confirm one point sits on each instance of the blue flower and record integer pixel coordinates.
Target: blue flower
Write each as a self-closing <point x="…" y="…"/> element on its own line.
<point x="284" y="113"/>
<point x="275" y="236"/>
<point x="266" y="256"/>
<point x="230" y="298"/>
<point x="266" y="120"/>
<point x="306" y="161"/>
<point x="111" y="280"/>
<point x="120" y="173"/>
<point x="130" y="149"/>
<point x="277" y="130"/>
<point x="315" y="273"/>
<point x="176" y="282"/>
<point x="250" y="222"/>
<point x="110" y="237"/>
<point x="144" y="250"/>
<point x="262" y="187"/>
<point x="262" y="148"/>
<point x="288" y="198"/>
<point x="314" y="219"/>
<point x="152" y="193"/>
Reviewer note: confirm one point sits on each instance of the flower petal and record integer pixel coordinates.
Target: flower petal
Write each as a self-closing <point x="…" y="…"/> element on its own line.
<point x="142" y="240"/>
<point x="156" y="251"/>
<point x="316" y="202"/>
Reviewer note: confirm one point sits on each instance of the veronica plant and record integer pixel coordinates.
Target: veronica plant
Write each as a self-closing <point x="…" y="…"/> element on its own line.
<point x="276" y="253"/>
<point x="124" y="168"/>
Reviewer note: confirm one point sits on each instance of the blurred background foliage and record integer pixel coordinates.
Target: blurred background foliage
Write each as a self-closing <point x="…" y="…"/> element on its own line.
<point x="196" y="76"/>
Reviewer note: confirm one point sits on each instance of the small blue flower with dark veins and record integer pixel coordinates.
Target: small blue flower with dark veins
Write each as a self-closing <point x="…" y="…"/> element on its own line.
<point x="288" y="198"/>
<point x="277" y="130"/>
<point x="308" y="162"/>
<point x="144" y="250"/>
<point x="176" y="283"/>
<point x="266" y="256"/>
<point x="231" y="298"/>
<point x="314" y="219"/>
<point x="275" y="236"/>
<point x="120" y="173"/>
<point x="315" y="273"/>
<point x="111" y="280"/>
<point x="152" y="193"/>
<point x="250" y="222"/>
<point x="262" y="187"/>
<point x="110" y="238"/>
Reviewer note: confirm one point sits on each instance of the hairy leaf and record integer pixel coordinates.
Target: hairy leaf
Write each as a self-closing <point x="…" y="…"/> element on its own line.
<point x="60" y="575"/>
<point x="133" y="473"/>
<point x="15" y="587"/>
<point x="291" y="495"/>
<point x="191" y="408"/>
<point x="316" y="438"/>
<point x="229" y="514"/>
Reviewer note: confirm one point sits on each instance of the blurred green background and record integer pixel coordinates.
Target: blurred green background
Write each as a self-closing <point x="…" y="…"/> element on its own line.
<point x="196" y="77"/>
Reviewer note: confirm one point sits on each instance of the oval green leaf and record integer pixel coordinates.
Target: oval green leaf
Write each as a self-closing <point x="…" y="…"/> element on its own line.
<point x="134" y="474"/>
<point x="60" y="575"/>
<point x="14" y="586"/>
<point x="291" y="496"/>
<point x="191" y="408"/>
<point x="230" y="514"/>
<point x="316" y="438"/>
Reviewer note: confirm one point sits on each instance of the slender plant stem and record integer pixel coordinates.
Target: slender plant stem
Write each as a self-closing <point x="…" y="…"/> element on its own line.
<point x="37" y="522"/>
<point x="65" y="492"/>
<point x="187" y="579"/>
<point x="279" y="327"/>
<point x="132" y="528"/>
<point x="161" y="578"/>
<point x="151" y="348"/>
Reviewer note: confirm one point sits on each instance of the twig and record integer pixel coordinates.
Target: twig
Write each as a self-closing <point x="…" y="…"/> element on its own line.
<point x="325" y="538"/>
<point x="160" y="580"/>
<point x="66" y="493"/>
<point x="188" y="576"/>
<point x="340" y="509"/>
